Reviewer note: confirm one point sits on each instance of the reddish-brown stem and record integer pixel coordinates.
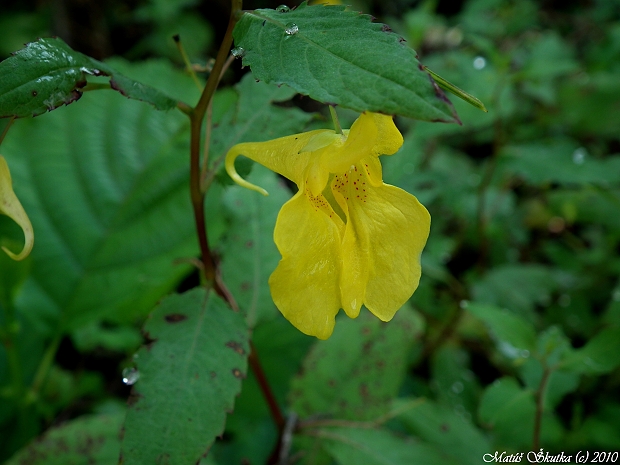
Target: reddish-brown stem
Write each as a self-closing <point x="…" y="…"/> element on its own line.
<point x="274" y="408"/>
<point x="540" y="406"/>
<point x="197" y="198"/>
<point x="196" y="119"/>
<point x="197" y="194"/>
<point x="205" y="158"/>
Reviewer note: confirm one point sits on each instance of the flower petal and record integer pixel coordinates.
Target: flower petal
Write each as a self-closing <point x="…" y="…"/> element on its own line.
<point x="371" y="134"/>
<point x="304" y="286"/>
<point x="390" y="139"/>
<point x="385" y="233"/>
<point x="10" y="206"/>
<point x="283" y="155"/>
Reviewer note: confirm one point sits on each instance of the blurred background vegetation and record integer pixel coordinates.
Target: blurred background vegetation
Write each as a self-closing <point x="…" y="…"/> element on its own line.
<point x="518" y="310"/>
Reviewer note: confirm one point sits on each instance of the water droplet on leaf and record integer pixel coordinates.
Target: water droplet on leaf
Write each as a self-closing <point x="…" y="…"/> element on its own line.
<point x="579" y="156"/>
<point x="238" y="52"/>
<point x="479" y="62"/>
<point x="291" y="29"/>
<point x="130" y="376"/>
<point x="283" y="9"/>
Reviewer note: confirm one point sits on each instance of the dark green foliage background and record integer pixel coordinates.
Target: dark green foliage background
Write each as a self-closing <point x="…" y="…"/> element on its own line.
<point x="521" y="274"/>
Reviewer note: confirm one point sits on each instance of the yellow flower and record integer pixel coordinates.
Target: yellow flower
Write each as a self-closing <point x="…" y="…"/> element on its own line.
<point x="10" y="206"/>
<point x="346" y="238"/>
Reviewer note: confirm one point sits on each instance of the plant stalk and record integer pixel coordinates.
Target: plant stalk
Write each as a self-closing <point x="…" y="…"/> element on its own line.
<point x="335" y="119"/>
<point x="6" y="129"/>
<point x="197" y="194"/>
<point x="46" y="363"/>
<point x="540" y="401"/>
<point x="196" y="119"/>
<point x="274" y="408"/>
<point x="8" y="339"/>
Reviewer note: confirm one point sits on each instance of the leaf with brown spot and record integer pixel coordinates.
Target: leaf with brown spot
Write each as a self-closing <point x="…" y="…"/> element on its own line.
<point x="92" y="439"/>
<point x="175" y="317"/>
<point x="47" y="74"/>
<point x="234" y="345"/>
<point x="170" y="394"/>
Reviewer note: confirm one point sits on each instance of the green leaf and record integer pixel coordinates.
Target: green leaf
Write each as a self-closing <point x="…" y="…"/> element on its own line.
<point x="105" y="186"/>
<point x="340" y="57"/>
<point x="562" y="161"/>
<point x="117" y="338"/>
<point x="600" y="355"/>
<point x="588" y="106"/>
<point x="553" y="345"/>
<point x="90" y="440"/>
<point x="378" y="447"/>
<point x="549" y="57"/>
<point x="453" y="382"/>
<point x="509" y="411"/>
<point x="358" y="371"/>
<point x="513" y="334"/>
<point x="190" y="373"/>
<point x="518" y="287"/>
<point x="47" y="74"/>
<point x="602" y="429"/>
<point x="138" y="91"/>
<point x="443" y="428"/>
<point x="250" y="430"/>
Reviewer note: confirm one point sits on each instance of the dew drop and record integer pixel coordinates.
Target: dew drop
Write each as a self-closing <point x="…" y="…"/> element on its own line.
<point x="458" y="387"/>
<point x="479" y="62"/>
<point x="130" y="376"/>
<point x="524" y="353"/>
<point x="579" y="156"/>
<point x="616" y="295"/>
<point x="291" y="29"/>
<point x="283" y="9"/>
<point x="463" y="304"/>
<point x="354" y="304"/>
<point x="238" y="52"/>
